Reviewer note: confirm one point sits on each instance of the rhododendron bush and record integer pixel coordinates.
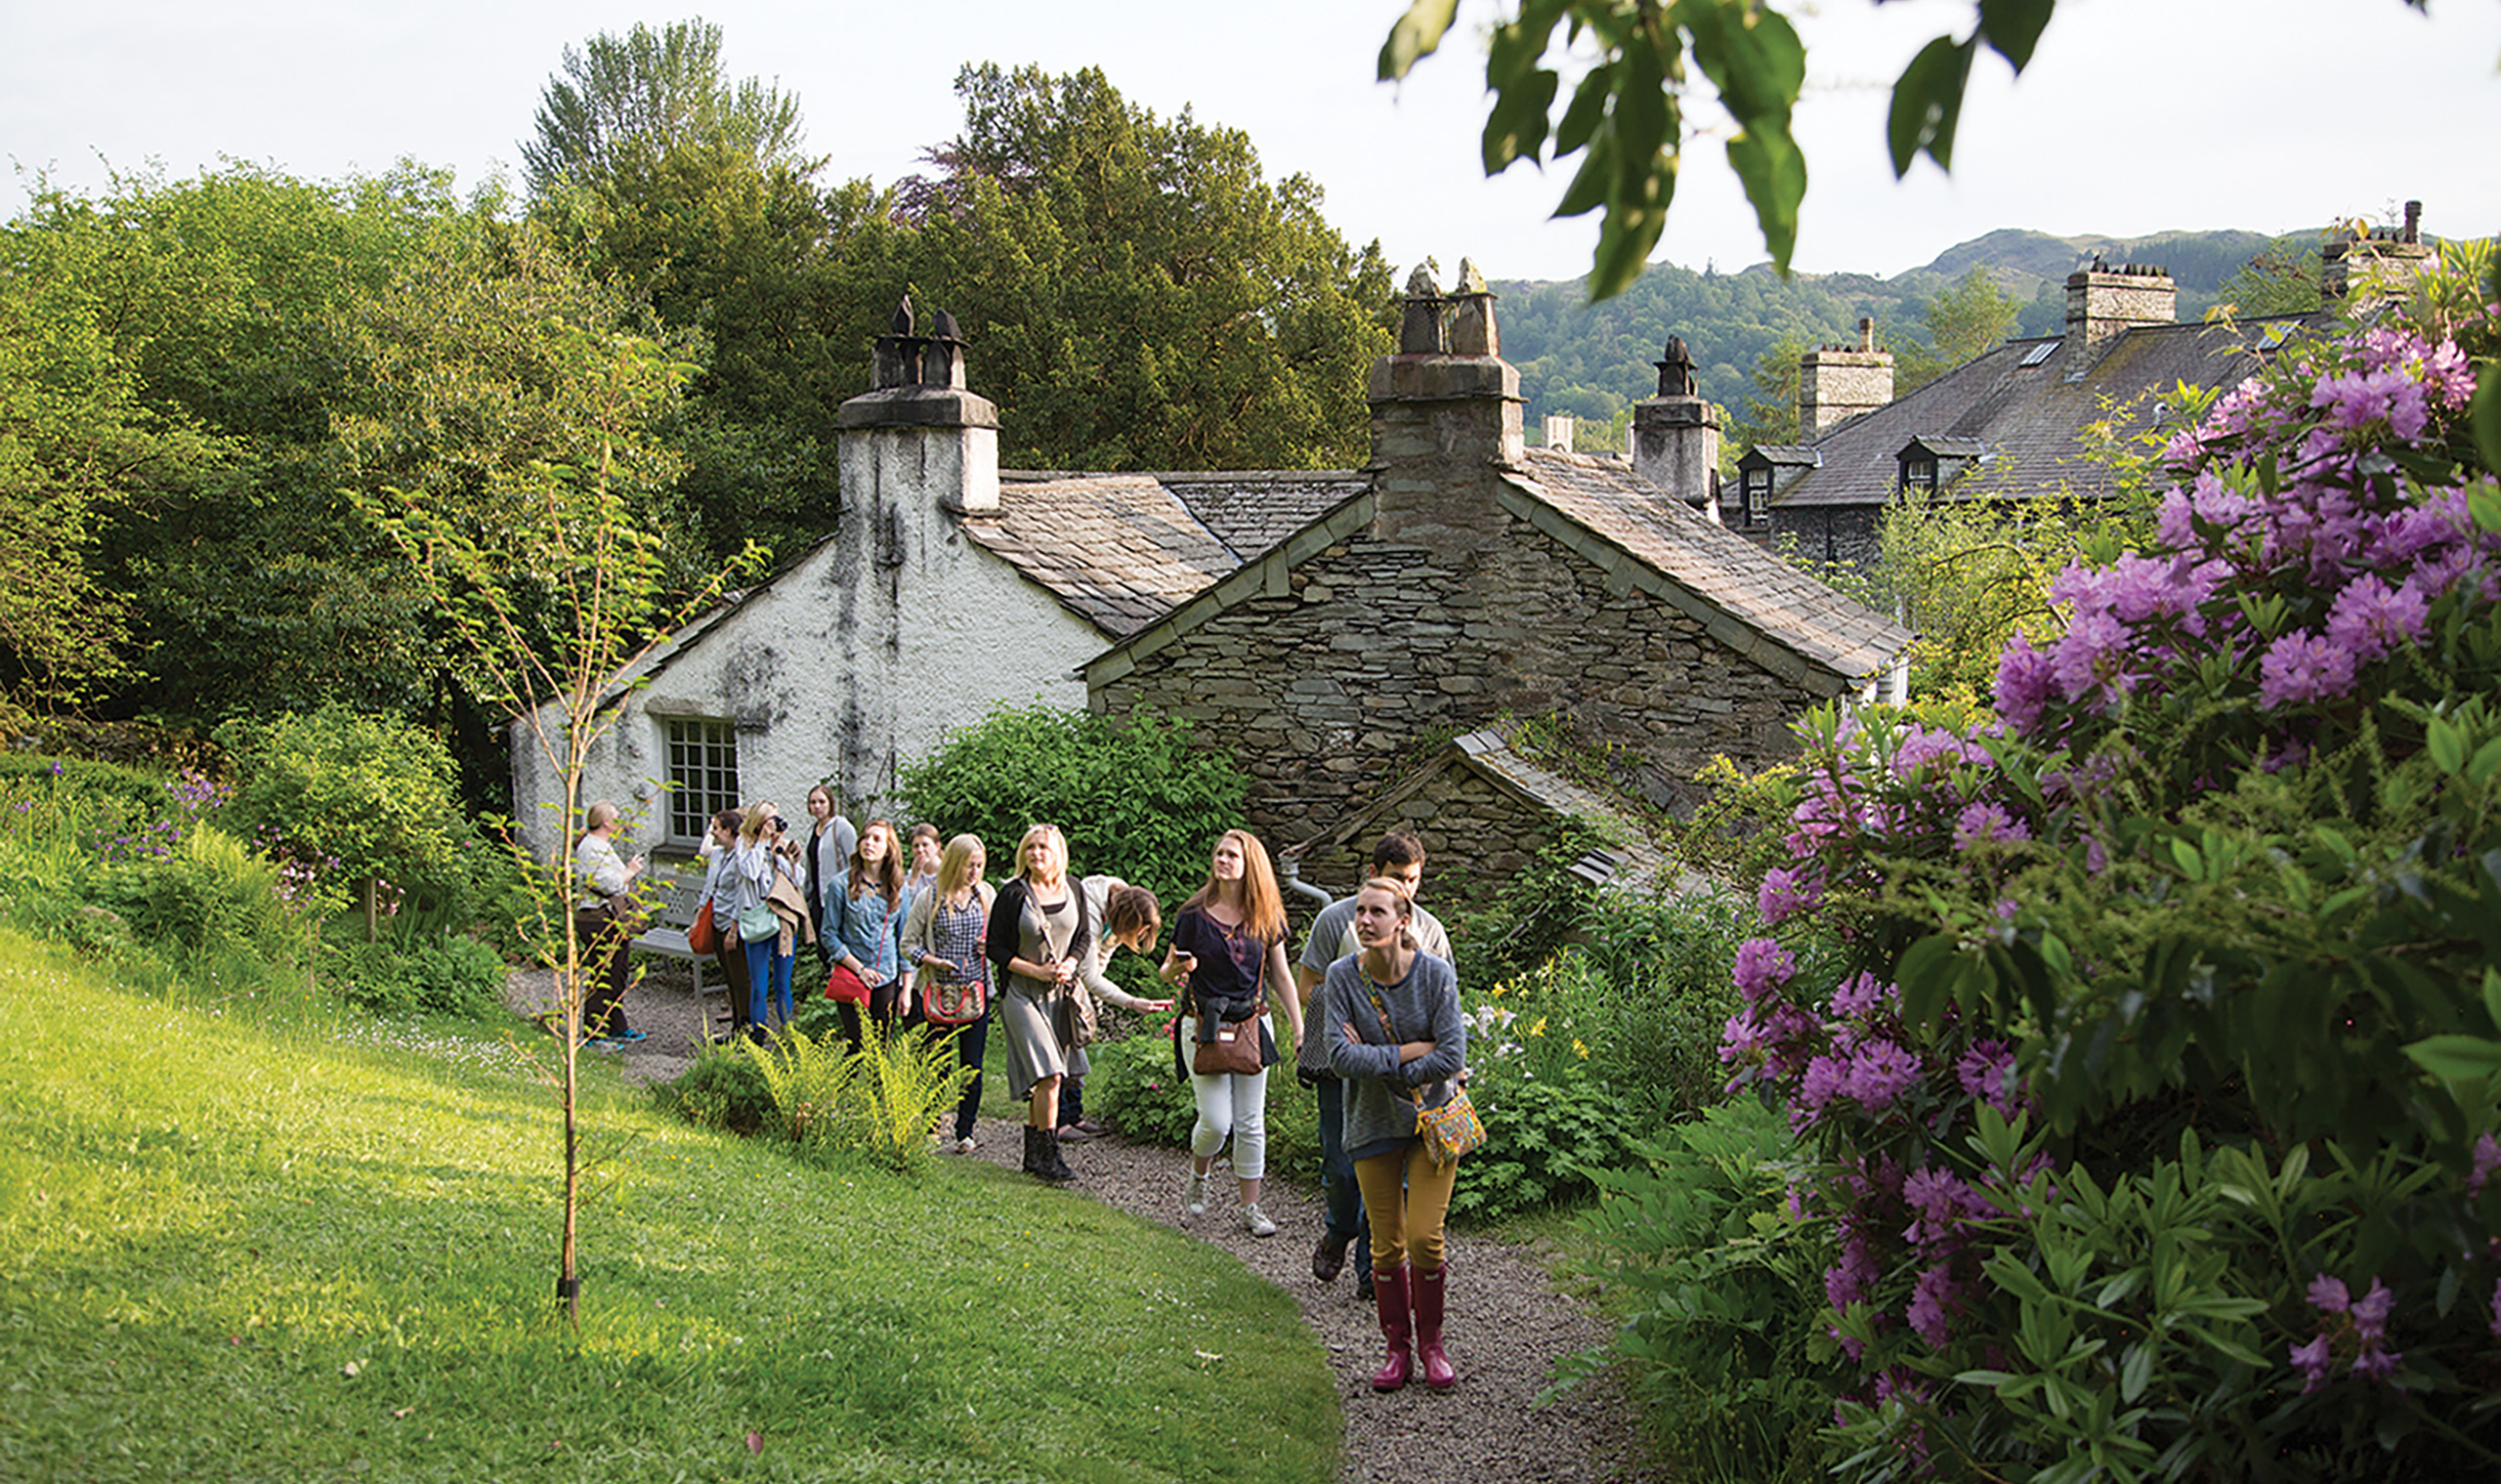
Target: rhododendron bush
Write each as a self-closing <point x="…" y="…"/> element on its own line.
<point x="2153" y="1126"/>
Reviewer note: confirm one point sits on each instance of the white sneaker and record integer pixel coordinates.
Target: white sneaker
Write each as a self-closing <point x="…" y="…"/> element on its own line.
<point x="1257" y="1222"/>
<point x="964" y="1146"/>
<point x="1194" y="1199"/>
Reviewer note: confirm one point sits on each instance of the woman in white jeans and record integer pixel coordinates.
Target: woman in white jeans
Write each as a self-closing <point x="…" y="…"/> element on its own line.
<point x="1229" y="945"/>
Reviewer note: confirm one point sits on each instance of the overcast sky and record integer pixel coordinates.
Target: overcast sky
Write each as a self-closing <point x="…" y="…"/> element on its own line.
<point x="2136" y="117"/>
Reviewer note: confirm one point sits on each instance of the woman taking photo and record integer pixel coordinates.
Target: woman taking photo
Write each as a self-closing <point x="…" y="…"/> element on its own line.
<point x="721" y="894"/>
<point x="1040" y="932"/>
<point x="767" y="869"/>
<point x="945" y="970"/>
<point x="1396" y="1040"/>
<point x="866" y="937"/>
<point x="1229" y="943"/>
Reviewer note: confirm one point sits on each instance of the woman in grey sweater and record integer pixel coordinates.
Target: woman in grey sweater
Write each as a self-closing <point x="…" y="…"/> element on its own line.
<point x="1395" y="1038"/>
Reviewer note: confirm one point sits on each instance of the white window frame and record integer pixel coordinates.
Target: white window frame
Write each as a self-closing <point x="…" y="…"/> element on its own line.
<point x="702" y="761"/>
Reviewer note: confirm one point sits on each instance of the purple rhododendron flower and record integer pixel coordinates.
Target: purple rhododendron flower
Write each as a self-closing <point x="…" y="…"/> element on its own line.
<point x="1987" y="824"/>
<point x="1881" y="1072"/>
<point x="2300" y="666"/>
<point x="1826" y="1078"/>
<point x="2378" y="1365"/>
<point x="1986" y="1071"/>
<point x="1785" y="893"/>
<point x="2025" y="677"/>
<point x="1935" y="1298"/>
<point x="1845" y="1282"/>
<point x="1862" y="995"/>
<point x="2314" y="1362"/>
<point x="1942" y="1204"/>
<point x="2496" y="1309"/>
<point x="2328" y="1294"/>
<point x="2371" y="617"/>
<point x="1763" y="966"/>
<point x="2487" y="1159"/>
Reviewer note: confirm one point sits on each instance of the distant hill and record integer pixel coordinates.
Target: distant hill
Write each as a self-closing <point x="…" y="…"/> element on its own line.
<point x="1592" y="361"/>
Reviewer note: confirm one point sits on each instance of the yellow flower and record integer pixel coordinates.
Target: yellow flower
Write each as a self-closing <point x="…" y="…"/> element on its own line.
<point x="1579" y="1050"/>
<point x="1538" y="1028"/>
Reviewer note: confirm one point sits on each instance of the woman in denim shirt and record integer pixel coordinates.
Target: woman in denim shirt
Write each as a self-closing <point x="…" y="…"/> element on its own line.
<point x="868" y="926"/>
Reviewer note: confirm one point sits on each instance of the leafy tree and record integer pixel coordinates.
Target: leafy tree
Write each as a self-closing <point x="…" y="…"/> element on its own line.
<point x="620" y="102"/>
<point x="1625" y="116"/>
<point x="245" y="580"/>
<point x="695" y="191"/>
<point x="79" y="445"/>
<point x="512" y="452"/>
<point x="1771" y="402"/>
<point x="1139" y="294"/>
<point x="1970" y="317"/>
<point x="2283" y="279"/>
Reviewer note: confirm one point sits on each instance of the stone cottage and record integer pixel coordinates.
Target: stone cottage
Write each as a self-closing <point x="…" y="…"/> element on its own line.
<point x="1320" y="625"/>
<point x="1474" y="578"/>
<point x="2008" y="424"/>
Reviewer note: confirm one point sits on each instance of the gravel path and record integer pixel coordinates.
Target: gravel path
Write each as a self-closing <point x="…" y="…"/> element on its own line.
<point x="1506" y="1325"/>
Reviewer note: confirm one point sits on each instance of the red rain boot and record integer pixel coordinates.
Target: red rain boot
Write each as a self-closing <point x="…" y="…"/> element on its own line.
<point x="1426" y="1288"/>
<point x="1389" y="1295"/>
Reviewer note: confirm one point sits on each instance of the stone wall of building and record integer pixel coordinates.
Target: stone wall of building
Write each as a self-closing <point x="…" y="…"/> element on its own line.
<point x="1324" y="681"/>
<point x="1844" y="534"/>
<point x="1477" y="836"/>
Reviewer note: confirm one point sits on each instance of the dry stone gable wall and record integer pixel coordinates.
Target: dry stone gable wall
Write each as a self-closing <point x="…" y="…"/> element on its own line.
<point x="1376" y="646"/>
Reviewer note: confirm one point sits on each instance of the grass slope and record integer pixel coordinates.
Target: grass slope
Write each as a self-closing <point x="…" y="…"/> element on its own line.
<point x="243" y="1251"/>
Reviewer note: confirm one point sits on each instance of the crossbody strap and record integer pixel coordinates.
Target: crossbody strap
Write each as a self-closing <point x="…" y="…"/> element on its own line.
<point x="1403" y="1094"/>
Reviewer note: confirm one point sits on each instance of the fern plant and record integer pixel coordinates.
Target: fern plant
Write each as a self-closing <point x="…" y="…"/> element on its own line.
<point x="907" y="1083"/>
<point x="809" y="1079"/>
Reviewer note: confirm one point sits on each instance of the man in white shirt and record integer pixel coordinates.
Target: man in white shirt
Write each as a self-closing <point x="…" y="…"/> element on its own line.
<point x="597" y="927"/>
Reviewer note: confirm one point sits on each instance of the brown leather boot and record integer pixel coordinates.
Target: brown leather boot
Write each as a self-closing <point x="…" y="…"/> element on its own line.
<point x="1389" y="1295"/>
<point x="1425" y="1289"/>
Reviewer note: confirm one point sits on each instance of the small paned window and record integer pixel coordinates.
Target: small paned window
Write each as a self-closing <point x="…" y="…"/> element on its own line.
<point x="702" y="774"/>
<point x="1758" y="493"/>
<point x="1919" y="474"/>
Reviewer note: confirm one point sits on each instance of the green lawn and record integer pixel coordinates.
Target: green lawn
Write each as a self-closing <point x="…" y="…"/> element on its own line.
<point x="275" y="1248"/>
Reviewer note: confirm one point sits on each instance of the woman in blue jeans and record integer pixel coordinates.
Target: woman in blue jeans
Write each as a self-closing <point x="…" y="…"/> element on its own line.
<point x="767" y="855"/>
<point x="864" y="933"/>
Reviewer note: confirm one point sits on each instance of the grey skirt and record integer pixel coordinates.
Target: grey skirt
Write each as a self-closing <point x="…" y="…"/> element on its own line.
<point x="1042" y="1036"/>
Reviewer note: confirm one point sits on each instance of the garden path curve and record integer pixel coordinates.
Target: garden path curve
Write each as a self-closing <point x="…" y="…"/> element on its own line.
<point x="1506" y="1326"/>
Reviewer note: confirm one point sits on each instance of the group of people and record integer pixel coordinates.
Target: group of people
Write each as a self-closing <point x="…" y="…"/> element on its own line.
<point x="912" y="932"/>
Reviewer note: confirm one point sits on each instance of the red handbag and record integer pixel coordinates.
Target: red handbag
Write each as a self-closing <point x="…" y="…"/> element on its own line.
<point x="701" y="936"/>
<point x="844" y="986"/>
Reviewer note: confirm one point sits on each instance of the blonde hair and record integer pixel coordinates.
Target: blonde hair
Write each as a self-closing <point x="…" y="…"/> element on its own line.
<point x="955" y="867"/>
<point x="1397" y="892"/>
<point x="1263" y="907"/>
<point x="751" y="828"/>
<point x="600" y="812"/>
<point x="1045" y="833"/>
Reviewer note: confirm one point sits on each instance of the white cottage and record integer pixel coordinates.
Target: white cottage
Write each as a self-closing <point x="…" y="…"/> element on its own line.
<point x="947" y="587"/>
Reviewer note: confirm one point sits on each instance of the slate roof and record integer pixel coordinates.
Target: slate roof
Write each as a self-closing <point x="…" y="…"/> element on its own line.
<point x="1721" y="571"/>
<point x="1633" y="859"/>
<point x="1251" y="511"/>
<point x="1118" y="549"/>
<point x="2023" y="418"/>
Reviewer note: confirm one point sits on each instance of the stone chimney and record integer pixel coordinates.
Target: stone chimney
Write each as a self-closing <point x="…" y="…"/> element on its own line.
<point x="1446" y="418"/>
<point x="917" y="417"/>
<point x="2381" y="264"/>
<point x="1675" y="435"/>
<point x="1559" y="430"/>
<point x="1837" y="382"/>
<point x="2102" y="302"/>
<point x="918" y="456"/>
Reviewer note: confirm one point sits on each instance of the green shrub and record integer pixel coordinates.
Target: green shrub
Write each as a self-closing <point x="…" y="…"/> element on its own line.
<point x="1717" y="1285"/>
<point x="377" y="795"/>
<point x="209" y="893"/>
<point x="1131" y="1087"/>
<point x="1134" y="796"/>
<point x="724" y="1090"/>
<point x="410" y="974"/>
